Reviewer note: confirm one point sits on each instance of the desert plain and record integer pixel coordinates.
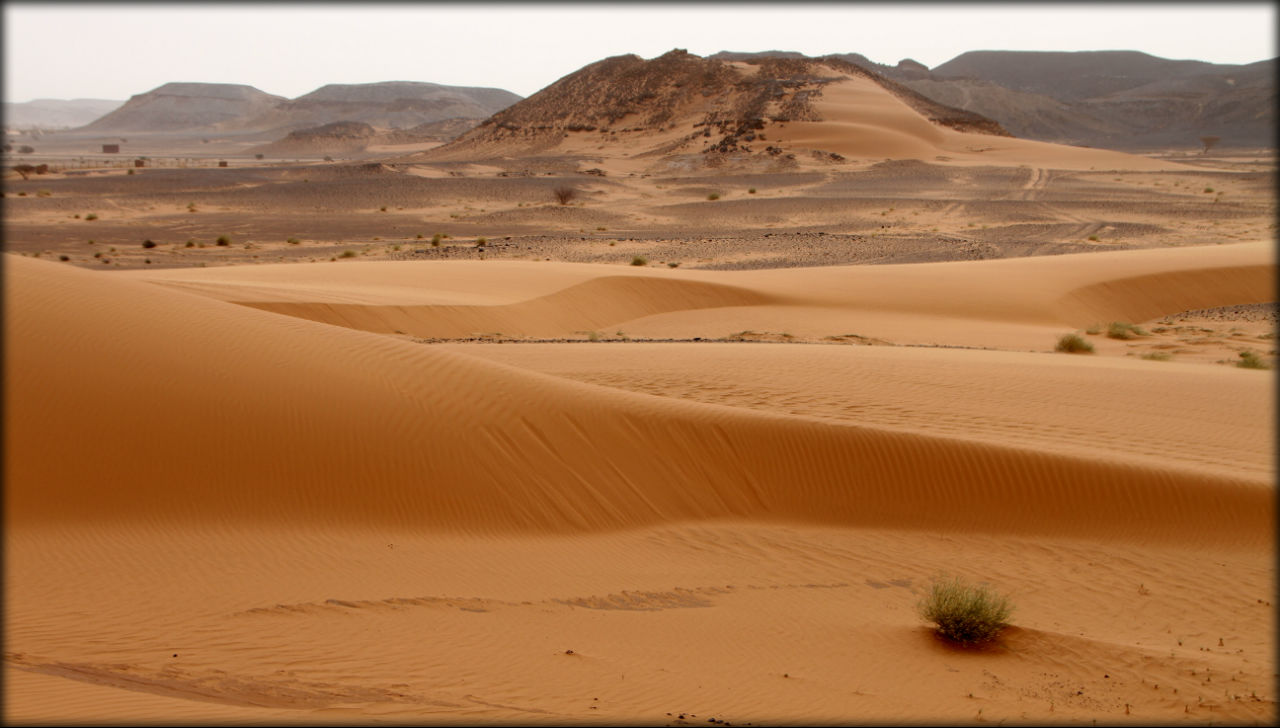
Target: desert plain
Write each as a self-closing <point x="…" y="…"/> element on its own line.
<point x="611" y="430"/>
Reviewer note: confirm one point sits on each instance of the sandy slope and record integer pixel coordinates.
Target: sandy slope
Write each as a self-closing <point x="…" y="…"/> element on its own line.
<point x="212" y="503"/>
<point x="1010" y="303"/>
<point x="862" y="120"/>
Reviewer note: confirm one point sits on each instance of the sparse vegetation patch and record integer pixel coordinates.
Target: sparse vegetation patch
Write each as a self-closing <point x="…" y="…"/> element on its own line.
<point x="1073" y="344"/>
<point x="965" y="613"/>
<point x="1124" y="330"/>
<point x="1251" y="360"/>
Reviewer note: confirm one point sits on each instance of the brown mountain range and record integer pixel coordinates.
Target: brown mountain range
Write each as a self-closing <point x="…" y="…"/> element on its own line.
<point x="1113" y="99"/>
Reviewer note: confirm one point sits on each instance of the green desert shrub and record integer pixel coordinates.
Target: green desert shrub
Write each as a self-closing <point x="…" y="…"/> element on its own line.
<point x="148" y="243"/>
<point x="348" y="254"/>
<point x="293" y="241"/>
<point x="1073" y="344"/>
<point x="435" y="240"/>
<point x="1124" y="330"/>
<point x="224" y="241"/>
<point x="1251" y="360"/>
<point x="91" y="216"/>
<point x="639" y="260"/>
<point x="713" y="196"/>
<point x="965" y="613"/>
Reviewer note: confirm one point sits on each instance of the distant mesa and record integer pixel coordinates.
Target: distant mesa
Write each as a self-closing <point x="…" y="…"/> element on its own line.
<point x="234" y="108"/>
<point x="51" y="114"/>
<point x="185" y="107"/>
<point x="387" y="105"/>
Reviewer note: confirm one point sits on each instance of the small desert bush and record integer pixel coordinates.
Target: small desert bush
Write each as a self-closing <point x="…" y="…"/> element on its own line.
<point x="91" y="216"/>
<point x="639" y="260"/>
<point x="1250" y="360"/>
<point x="564" y="194"/>
<point x="1073" y="344"/>
<point x="293" y="241"/>
<point x="1157" y="356"/>
<point x="435" y="240"/>
<point x="224" y="241"/>
<point x="1124" y="330"/>
<point x="348" y="254"/>
<point x="481" y="242"/>
<point x="751" y="191"/>
<point x="1094" y="330"/>
<point x="965" y="613"/>
<point x="148" y="243"/>
<point x="713" y="196"/>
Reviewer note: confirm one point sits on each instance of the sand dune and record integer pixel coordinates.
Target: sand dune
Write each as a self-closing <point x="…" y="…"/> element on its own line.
<point x="451" y="442"/>
<point x="1030" y="296"/>
<point x="229" y="487"/>
<point x="862" y="120"/>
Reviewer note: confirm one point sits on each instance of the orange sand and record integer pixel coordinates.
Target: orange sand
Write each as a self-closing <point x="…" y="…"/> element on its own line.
<point x="217" y="512"/>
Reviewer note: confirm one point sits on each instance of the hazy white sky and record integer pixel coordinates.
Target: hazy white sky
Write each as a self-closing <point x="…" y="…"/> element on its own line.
<point x="113" y="51"/>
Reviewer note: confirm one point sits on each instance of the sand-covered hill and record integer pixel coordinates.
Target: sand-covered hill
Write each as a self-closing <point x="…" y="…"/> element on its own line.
<point x="185" y="107"/>
<point x="681" y="103"/>
<point x="56" y="113"/>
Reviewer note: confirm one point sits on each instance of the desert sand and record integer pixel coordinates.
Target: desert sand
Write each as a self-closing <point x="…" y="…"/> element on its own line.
<point x="528" y="482"/>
